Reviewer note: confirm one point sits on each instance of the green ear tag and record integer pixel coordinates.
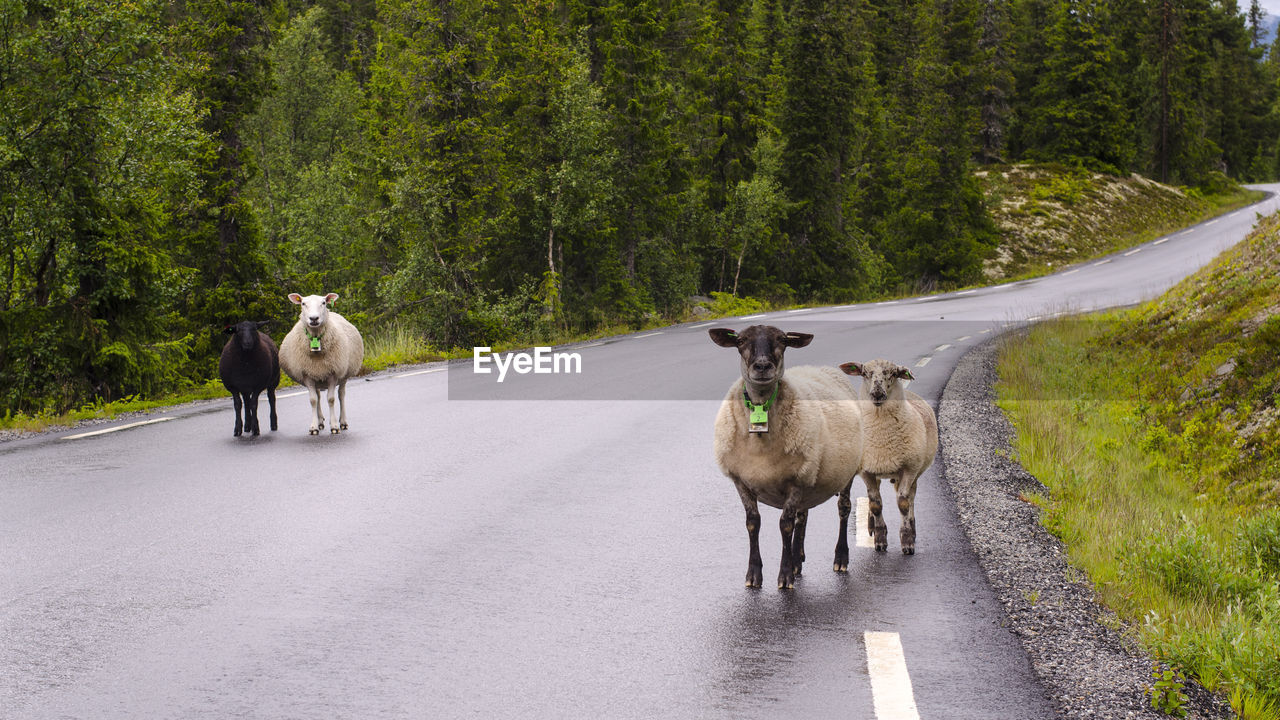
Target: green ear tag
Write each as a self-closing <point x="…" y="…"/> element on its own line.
<point x="315" y="344"/>
<point x="759" y="419"/>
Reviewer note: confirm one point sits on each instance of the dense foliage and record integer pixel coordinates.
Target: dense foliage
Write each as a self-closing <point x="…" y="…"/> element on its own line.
<point x="482" y="170"/>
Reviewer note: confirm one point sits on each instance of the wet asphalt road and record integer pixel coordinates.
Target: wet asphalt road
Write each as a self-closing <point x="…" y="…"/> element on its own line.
<point x="551" y="546"/>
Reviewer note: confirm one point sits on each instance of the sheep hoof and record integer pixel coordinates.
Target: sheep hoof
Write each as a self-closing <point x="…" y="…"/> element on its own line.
<point x="908" y="551"/>
<point x="882" y="547"/>
<point x="313" y="431"/>
<point x="344" y="426"/>
<point x="786" y="583"/>
<point x="840" y="567"/>
<point x="755" y="578"/>
<point x="333" y="431"/>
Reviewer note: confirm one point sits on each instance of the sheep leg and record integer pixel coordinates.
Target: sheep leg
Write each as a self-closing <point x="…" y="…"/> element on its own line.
<point x="271" y="399"/>
<point x="342" y="404"/>
<point x="333" y="426"/>
<point x="907" y="506"/>
<point x="755" y="566"/>
<point x="235" y="398"/>
<point x="797" y="542"/>
<point x="313" y="394"/>
<point x="251" y="413"/>
<point x="841" y="563"/>
<point x="787" y="525"/>
<point x="875" y="515"/>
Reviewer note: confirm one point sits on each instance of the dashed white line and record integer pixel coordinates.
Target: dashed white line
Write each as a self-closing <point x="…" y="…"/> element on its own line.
<point x="117" y="428"/>
<point x="1134" y="251"/>
<point x="648" y="335"/>
<point x="890" y="682"/>
<point x="889" y="302"/>
<point x="418" y="372"/>
<point x="926" y="297"/>
<point x="1211" y="222"/>
<point x="1161" y="241"/>
<point x="1071" y="272"/>
<point x="940" y="348"/>
<point x="598" y="344"/>
<point x="1033" y="318"/>
<point x="860" y="524"/>
<point x="1102" y="262"/>
<point x="1187" y="232"/>
<point x="984" y="332"/>
<point x="966" y="292"/>
<point x="965" y="337"/>
<point x="800" y="310"/>
<point x="923" y="361"/>
<point x="292" y="394"/>
<point x="752" y="317"/>
<point x="703" y="324"/>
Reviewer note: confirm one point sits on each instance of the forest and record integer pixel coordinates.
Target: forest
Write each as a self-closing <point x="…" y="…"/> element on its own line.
<point x="480" y="172"/>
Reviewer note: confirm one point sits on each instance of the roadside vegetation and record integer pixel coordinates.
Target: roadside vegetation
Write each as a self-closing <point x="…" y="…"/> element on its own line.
<point x="1157" y="433"/>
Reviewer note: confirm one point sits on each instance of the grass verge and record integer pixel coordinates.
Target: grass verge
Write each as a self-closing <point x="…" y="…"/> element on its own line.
<point x="1155" y="431"/>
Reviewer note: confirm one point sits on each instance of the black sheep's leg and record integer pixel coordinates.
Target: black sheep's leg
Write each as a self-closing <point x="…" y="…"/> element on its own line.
<point x="841" y="563"/>
<point x="797" y="541"/>
<point x="235" y="398"/>
<point x="251" y="412"/>
<point x="755" y="573"/>
<point x="787" y="526"/>
<point x="271" y="399"/>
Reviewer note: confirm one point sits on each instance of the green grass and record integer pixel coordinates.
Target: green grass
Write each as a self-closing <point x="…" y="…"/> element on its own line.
<point x="1155" y="431"/>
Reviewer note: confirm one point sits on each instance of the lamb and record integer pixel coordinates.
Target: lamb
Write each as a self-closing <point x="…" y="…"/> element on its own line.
<point x="899" y="441"/>
<point x="320" y="352"/>
<point x="250" y="364"/>
<point x="790" y="442"/>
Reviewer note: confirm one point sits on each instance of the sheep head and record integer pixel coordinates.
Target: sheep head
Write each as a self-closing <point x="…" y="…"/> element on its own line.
<point x="245" y="333"/>
<point x="761" y="348"/>
<point x="315" y="309"/>
<point x="880" y="378"/>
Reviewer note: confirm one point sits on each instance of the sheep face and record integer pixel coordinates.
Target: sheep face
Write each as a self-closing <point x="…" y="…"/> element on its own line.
<point x="314" y="309"/>
<point x="245" y="333"/>
<point x="880" y="379"/>
<point x="761" y="348"/>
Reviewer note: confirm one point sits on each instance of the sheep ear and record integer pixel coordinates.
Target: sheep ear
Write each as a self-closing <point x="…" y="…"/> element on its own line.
<point x="229" y="330"/>
<point x="797" y="340"/>
<point x="852" y="368"/>
<point x="724" y="337"/>
<point x="328" y="299"/>
<point x="262" y="323"/>
<point x="903" y="374"/>
<point x="295" y="298"/>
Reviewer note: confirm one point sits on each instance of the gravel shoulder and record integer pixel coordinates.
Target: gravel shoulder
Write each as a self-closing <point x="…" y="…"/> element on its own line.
<point x="1089" y="666"/>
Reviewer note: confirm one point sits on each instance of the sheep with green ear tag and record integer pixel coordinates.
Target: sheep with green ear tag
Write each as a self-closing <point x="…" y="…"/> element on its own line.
<point x="321" y="352"/>
<point x="899" y="441"/>
<point x="790" y="442"/>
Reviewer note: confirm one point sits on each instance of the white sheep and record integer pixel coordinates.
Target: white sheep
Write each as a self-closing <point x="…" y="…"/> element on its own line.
<point x="320" y="352"/>
<point x="899" y="441"/>
<point x="790" y="443"/>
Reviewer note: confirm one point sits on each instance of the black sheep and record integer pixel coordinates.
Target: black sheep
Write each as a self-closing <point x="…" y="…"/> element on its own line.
<point x="250" y="363"/>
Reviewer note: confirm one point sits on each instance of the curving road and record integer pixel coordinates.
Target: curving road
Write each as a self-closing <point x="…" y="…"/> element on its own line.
<point x="548" y="546"/>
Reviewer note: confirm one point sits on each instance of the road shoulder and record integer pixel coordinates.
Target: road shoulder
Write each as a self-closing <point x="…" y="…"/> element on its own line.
<point x="1089" y="668"/>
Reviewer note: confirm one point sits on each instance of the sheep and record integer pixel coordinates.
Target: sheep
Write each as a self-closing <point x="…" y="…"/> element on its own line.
<point x="790" y="442"/>
<point x="320" y="352"/>
<point x="250" y="364"/>
<point x="899" y="441"/>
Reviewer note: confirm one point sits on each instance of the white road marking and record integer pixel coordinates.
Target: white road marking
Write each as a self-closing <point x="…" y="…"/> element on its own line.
<point x="926" y="297"/>
<point x="1103" y="262"/>
<point x="800" y="310"/>
<point x="984" y="332"/>
<point x="1134" y="251"/>
<point x="844" y="307"/>
<point x="1187" y="232"/>
<point x="940" y="348"/>
<point x="1161" y="241"/>
<point x="1235" y="213"/>
<point x="966" y="292"/>
<point x="292" y="394"/>
<point x="648" y="335"/>
<point x="598" y="344"/>
<point x="713" y="322"/>
<point x="1071" y="272"/>
<point x="117" y="428"/>
<point x="890" y="681"/>
<point x="1211" y="222"/>
<point x="752" y="317"/>
<point x="923" y="361"/>
<point x="1033" y="318"/>
<point x="966" y="337"/>
<point x="889" y="302"/>
<point x="418" y="372"/>
<point x="860" y="524"/>
<point x="1000" y="287"/>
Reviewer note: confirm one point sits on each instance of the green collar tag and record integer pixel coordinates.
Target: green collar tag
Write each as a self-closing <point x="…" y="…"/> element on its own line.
<point x="315" y="343"/>
<point x="759" y="414"/>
